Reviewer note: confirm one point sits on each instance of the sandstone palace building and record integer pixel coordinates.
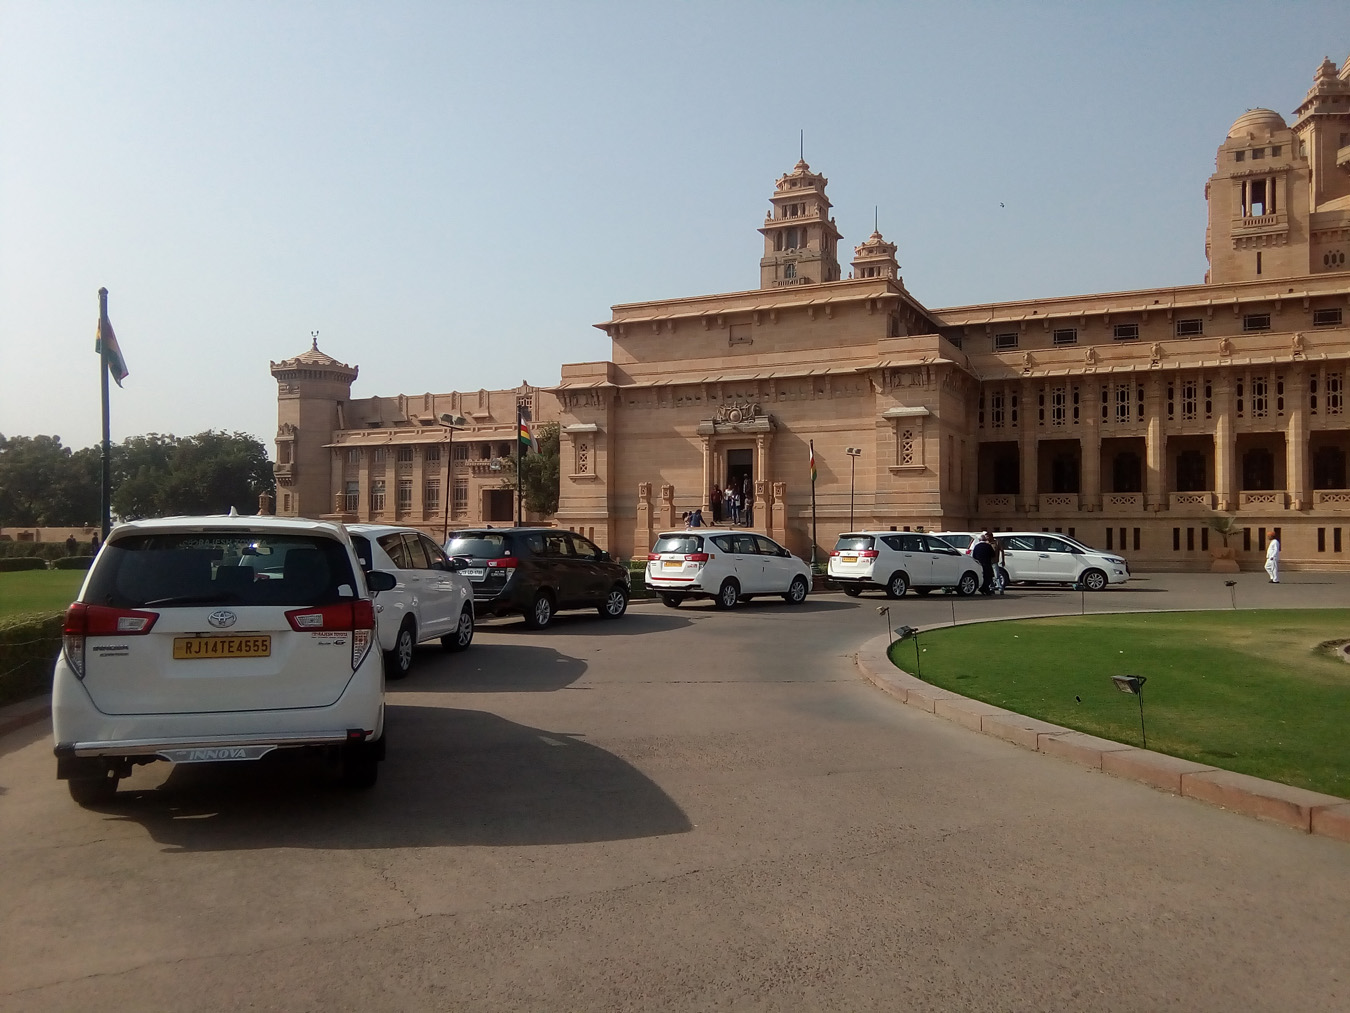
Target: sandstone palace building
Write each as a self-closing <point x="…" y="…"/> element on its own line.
<point x="1129" y="419"/>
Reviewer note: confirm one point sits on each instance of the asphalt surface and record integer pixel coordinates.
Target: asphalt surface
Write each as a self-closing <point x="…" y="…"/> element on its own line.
<point x="686" y="809"/>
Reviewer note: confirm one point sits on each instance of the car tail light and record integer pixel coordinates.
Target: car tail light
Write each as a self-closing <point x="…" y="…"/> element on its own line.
<point x="505" y="563"/>
<point x="868" y="554"/>
<point x="356" y="618"/>
<point x="99" y="621"/>
<point x="696" y="557"/>
<point x="653" y="556"/>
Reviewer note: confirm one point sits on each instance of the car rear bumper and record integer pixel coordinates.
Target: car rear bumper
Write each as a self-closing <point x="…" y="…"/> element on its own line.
<point x="184" y="749"/>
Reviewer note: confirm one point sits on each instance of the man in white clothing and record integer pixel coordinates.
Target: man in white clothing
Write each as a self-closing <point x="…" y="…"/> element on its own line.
<point x="1273" y="560"/>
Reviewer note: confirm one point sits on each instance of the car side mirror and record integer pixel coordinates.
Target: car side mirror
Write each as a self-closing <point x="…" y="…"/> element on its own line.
<point x="602" y="556"/>
<point x="456" y="563"/>
<point x="379" y="580"/>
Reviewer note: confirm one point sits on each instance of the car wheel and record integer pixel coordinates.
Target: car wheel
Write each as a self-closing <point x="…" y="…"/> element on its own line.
<point x="968" y="584"/>
<point x="1093" y="580"/>
<point x="463" y="635"/>
<point x="93" y="791"/>
<point x="398" y="661"/>
<point x="616" y="604"/>
<point x="853" y="592"/>
<point x="897" y="586"/>
<point x="728" y="595"/>
<point x="671" y="601"/>
<point x="361" y="765"/>
<point x="923" y="592"/>
<point x="540" y="612"/>
<point x="796" y="594"/>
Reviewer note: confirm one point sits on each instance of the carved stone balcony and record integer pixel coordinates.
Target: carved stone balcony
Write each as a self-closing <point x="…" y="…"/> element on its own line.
<point x="1332" y="500"/>
<point x="1058" y="502"/>
<point x="1264" y="499"/>
<point x="1260" y="225"/>
<point x="1190" y="502"/>
<point x="999" y="503"/>
<point x="1122" y="502"/>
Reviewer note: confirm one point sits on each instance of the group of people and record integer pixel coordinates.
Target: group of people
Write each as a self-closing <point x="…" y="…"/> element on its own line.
<point x="988" y="552"/>
<point x="734" y="504"/>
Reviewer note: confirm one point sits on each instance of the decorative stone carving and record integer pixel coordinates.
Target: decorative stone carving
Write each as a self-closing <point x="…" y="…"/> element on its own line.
<point x="1090" y="356"/>
<point x="645" y="491"/>
<point x="738" y="412"/>
<point x="1225" y="348"/>
<point x="667" y="493"/>
<point x="1296" y="345"/>
<point x="1155" y="353"/>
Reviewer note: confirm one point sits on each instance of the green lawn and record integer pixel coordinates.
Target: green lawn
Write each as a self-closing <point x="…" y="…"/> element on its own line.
<point x="38" y="591"/>
<point x="1249" y="691"/>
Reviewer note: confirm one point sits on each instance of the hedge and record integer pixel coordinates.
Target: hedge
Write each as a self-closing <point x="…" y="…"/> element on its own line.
<point x="43" y="550"/>
<point x="73" y="563"/>
<point x="28" y="649"/>
<point x="22" y="563"/>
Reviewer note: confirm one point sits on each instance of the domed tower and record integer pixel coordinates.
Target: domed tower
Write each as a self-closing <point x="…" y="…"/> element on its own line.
<point x="801" y="243"/>
<point x="312" y="391"/>
<point x="1258" y="202"/>
<point x="875" y="258"/>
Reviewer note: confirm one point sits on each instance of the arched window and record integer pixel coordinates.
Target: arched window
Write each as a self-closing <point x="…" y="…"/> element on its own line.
<point x="1191" y="471"/>
<point x="789" y="270"/>
<point x="1258" y="469"/>
<point x="1127" y="473"/>
<point x="1329" y="468"/>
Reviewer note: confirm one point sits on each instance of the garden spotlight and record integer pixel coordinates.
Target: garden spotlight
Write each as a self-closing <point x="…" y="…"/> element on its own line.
<point x="1134" y="685"/>
<point x="904" y="633"/>
<point x="885" y="610"/>
<point x="1232" y="590"/>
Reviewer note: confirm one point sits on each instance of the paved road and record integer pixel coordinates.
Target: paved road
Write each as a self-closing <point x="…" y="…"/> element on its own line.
<point x="687" y="810"/>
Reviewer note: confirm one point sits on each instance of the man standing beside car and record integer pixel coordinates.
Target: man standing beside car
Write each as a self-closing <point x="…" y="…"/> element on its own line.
<point x="983" y="553"/>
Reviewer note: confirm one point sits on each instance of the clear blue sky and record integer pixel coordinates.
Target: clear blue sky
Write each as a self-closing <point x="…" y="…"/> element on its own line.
<point x="453" y="194"/>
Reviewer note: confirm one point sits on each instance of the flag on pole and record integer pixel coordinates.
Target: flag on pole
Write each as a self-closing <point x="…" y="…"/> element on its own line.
<point x="106" y="345"/>
<point x="813" y="463"/>
<point x="527" y="441"/>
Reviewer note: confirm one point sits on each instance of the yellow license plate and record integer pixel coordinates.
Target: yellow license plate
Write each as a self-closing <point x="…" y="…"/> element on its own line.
<point x="849" y="559"/>
<point x="187" y="648"/>
<point x="673" y="564"/>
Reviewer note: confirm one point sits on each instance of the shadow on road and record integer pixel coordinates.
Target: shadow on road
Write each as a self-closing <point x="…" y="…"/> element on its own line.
<point x="452" y="778"/>
<point x="490" y="668"/>
<point x="634" y="623"/>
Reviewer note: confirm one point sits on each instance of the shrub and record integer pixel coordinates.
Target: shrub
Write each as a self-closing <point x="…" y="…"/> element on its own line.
<point x="22" y="563"/>
<point x="40" y="550"/>
<point x="73" y="563"/>
<point x="28" y="649"/>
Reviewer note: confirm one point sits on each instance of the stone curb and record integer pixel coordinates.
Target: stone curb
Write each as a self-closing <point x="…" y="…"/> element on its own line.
<point x="24" y="713"/>
<point x="1308" y="811"/>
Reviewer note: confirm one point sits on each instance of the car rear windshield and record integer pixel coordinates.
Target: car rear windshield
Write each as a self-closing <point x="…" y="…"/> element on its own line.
<point x="221" y="568"/>
<point x="958" y="541"/>
<point x="482" y="546"/>
<point x="678" y="543"/>
<point x="853" y="543"/>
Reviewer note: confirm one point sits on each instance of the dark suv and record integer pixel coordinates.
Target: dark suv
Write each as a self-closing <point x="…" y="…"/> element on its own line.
<point x="537" y="571"/>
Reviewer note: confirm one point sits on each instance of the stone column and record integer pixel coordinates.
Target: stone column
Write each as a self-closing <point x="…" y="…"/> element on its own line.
<point x="667" y="515"/>
<point x="1225" y="465"/>
<point x="761" y="507"/>
<point x="707" y="478"/>
<point x="778" y="514"/>
<point x="1155" y="447"/>
<point x="363" y="486"/>
<point x="642" y="534"/>
<point x="1296" y="441"/>
<point x="419" y="482"/>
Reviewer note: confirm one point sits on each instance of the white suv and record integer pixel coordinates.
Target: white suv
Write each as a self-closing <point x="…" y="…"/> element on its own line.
<point x="432" y="599"/>
<point x="898" y="560"/>
<point x="1045" y="557"/>
<point x="725" y="565"/>
<point x="199" y="639"/>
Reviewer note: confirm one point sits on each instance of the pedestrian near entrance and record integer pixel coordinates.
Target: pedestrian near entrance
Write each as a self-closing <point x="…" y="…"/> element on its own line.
<point x="1273" y="560"/>
<point x="715" y="501"/>
<point x="983" y="553"/>
<point x="696" y="518"/>
<point x="72" y="546"/>
<point x="733" y="502"/>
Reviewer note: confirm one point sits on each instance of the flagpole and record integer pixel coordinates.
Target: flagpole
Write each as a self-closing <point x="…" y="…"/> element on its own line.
<point x="813" y="505"/>
<point x="105" y="488"/>
<point x="520" y="492"/>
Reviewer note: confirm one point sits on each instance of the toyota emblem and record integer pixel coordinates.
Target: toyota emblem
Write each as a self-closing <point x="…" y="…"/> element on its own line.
<point x="223" y="619"/>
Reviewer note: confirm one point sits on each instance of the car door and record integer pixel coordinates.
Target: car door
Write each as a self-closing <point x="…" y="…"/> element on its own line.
<point x="1058" y="562"/>
<point x="563" y="567"/>
<point x="592" y="580"/>
<point x="777" y="576"/>
<point x="402" y="601"/>
<point x="945" y="562"/>
<point x="1021" y="558"/>
<point x="912" y="557"/>
<point x="440" y="598"/>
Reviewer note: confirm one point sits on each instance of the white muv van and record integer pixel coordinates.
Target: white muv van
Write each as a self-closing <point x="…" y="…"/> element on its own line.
<point x="198" y="639"/>
<point x="1045" y="557"/>
<point x="895" y="561"/>
<point x="726" y="565"/>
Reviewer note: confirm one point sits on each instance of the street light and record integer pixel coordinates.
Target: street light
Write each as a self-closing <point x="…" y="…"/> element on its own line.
<point x="450" y="423"/>
<point x="853" y="454"/>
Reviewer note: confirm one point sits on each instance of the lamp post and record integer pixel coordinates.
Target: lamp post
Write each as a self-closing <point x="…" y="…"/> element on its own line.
<point x="450" y="423"/>
<point x="853" y="454"/>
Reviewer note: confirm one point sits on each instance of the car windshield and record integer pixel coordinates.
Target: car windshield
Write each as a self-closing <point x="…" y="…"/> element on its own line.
<point x="853" y="543"/>
<point x="957" y="541"/>
<point x="221" y="568"/>
<point x="477" y="546"/>
<point x="678" y="543"/>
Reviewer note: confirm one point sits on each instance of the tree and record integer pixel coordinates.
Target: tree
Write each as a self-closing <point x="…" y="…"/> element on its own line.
<point x="43" y="483"/>
<point x="539" y="472"/>
<point x="162" y="475"/>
